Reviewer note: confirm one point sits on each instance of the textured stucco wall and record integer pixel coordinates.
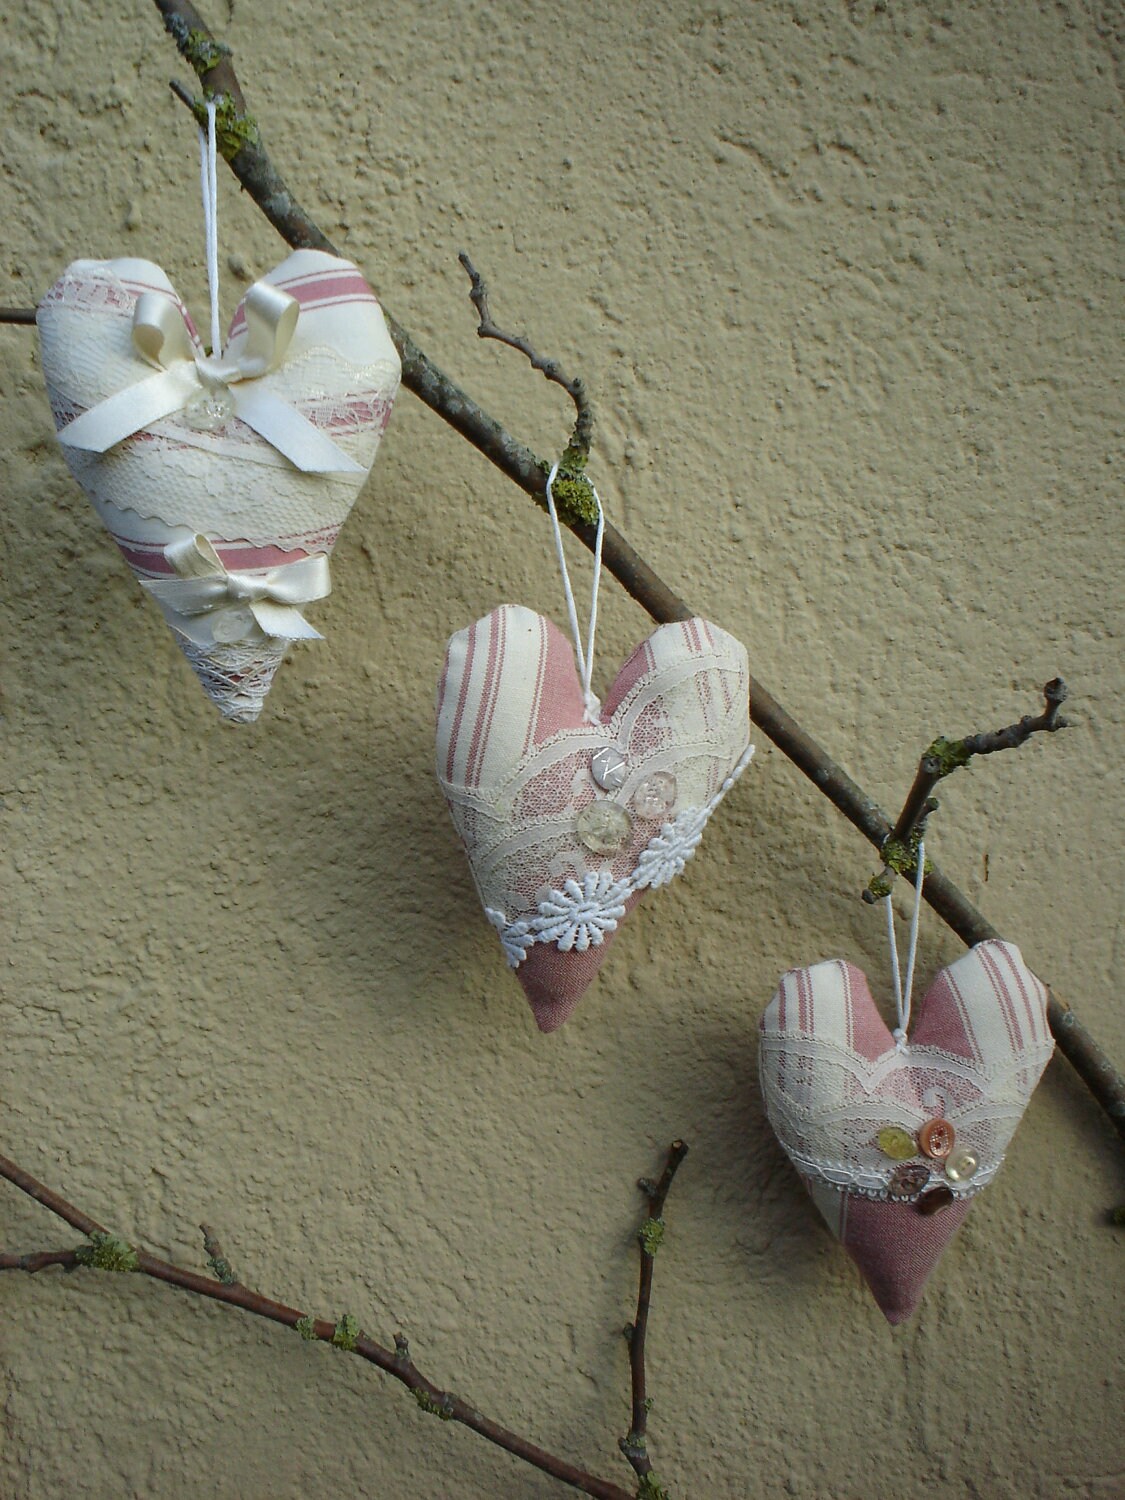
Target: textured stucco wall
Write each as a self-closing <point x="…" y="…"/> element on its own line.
<point x="844" y="281"/>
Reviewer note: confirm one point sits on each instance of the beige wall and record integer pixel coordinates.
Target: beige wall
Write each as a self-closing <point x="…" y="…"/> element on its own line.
<point x="844" y="282"/>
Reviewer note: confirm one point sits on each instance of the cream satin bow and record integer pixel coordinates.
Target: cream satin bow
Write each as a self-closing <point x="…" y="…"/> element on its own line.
<point x="227" y="606"/>
<point x="161" y="338"/>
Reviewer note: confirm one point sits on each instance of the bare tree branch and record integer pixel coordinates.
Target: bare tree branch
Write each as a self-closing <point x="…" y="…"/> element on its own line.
<point x="107" y="1252"/>
<point x="242" y="146"/>
<point x="251" y="165"/>
<point x="579" y="449"/>
<point x="650" y="1237"/>
<point x="941" y="759"/>
<point x="17" y="315"/>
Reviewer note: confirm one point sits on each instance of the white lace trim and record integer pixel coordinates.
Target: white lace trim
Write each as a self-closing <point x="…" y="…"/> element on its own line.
<point x="579" y="916"/>
<point x="832" y="1140"/>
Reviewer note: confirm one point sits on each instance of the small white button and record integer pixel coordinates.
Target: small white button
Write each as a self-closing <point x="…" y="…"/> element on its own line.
<point x="604" y="827"/>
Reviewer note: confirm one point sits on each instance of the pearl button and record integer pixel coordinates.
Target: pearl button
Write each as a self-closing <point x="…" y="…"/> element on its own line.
<point x="607" y="767"/>
<point x="936" y="1139"/>
<point x="961" y="1164"/>
<point x="897" y="1143"/>
<point x="210" y="411"/>
<point x="907" y="1181"/>
<point x="935" y="1200"/>
<point x="656" y="795"/>
<point x="230" y="625"/>
<point x="603" y="827"/>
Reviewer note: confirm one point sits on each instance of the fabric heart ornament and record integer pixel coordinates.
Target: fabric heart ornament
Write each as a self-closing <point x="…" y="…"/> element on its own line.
<point x="570" y="811"/>
<point x="893" y="1141"/>
<point x="224" y="480"/>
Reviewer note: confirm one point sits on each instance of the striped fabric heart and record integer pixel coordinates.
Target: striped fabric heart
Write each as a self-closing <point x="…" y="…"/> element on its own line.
<point x="568" y="815"/>
<point x="224" y="481"/>
<point x="894" y="1141"/>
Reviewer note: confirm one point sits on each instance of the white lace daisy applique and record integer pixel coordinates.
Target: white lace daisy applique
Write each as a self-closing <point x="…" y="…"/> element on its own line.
<point x="580" y="915"/>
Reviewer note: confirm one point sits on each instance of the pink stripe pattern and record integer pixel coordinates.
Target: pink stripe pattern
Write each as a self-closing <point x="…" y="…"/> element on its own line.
<point x="833" y="1079"/>
<point x="514" y="759"/>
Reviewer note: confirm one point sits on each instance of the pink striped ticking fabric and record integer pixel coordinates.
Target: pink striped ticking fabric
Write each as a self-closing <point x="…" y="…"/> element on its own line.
<point x="834" y="1082"/>
<point x="170" y="481"/>
<point x="514" y="758"/>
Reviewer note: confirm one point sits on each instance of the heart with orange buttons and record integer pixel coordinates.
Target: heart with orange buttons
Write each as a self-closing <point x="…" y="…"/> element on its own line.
<point x="895" y="1134"/>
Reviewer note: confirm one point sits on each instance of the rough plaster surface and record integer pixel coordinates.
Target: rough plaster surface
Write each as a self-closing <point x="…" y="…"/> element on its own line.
<point x="844" y="280"/>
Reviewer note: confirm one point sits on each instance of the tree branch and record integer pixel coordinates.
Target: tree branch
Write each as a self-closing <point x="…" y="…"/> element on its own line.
<point x="254" y="170"/>
<point x="106" y="1252"/>
<point x="650" y="1237"/>
<point x="578" y="450"/>
<point x="17" y="315"/>
<point x="941" y="759"/>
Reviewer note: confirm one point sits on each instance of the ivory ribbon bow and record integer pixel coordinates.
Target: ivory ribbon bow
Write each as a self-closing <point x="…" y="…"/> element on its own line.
<point x="161" y="338"/>
<point x="232" y="603"/>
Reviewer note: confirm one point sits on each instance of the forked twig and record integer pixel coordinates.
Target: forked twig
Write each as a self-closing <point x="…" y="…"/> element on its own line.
<point x="107" y="1252"/>
<point x="650" y="1237"/>
<point x="940" y="760"/>
<point x="578" y="450"/>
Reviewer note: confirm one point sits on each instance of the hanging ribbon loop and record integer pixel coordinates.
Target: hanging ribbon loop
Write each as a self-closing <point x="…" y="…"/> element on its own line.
<point x="207" y="603"/>
<point x="585" y="658"/>
<point x="161" y="338"/>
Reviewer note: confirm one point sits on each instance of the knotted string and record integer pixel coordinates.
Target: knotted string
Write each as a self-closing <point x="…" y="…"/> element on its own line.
<point x="209" y="182"/>
<point x="585" y="658"/>
<point x="903" y="992"/>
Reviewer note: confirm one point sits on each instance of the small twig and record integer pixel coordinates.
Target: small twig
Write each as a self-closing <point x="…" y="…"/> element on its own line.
<point x="107" y="1252"/>
<point x="941" y="759"/>
<point x="578" y="450"/>
<point x="215" y="1257"/>
<point x="17" y="315"/>
<point x="634" y="1444"/>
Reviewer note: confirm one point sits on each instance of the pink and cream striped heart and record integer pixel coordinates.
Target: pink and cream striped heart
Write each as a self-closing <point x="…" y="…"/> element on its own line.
<point x="224" y="481"/>
<point x="893" y="1142"/>
<point x="568" y="816"/>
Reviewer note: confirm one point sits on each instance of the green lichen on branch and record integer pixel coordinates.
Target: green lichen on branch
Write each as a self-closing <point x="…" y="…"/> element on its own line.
<point x="944" y="756"/>
<point x="650" y="1489"/>
<point x="442" y="1409"/>
<point x="346" y="1333"/>
<point x="195" y="46"/>
<point x="574" y="495"/>
<point x="306" y="1328"/>
<point x="107" y="1252"/>
<point x="233" y="129"/>
<point x="651" y="1235"/>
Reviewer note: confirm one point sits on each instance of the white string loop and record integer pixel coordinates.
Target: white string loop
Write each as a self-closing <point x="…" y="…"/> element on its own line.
<point x="904" y="992"/>
<point x="585" y="658"/>
<point x="209" y="182"/>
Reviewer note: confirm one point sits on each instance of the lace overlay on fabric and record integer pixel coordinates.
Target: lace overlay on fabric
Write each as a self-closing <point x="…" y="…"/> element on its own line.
<point x="178" y="478"/>
<point x="515" y="755"/>
<point x="833" y="1140"/>
<point x="236" y="678"/>
<point x="834" y="1080"/>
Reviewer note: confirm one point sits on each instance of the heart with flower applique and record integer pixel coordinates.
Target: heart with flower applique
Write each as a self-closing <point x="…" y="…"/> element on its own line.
<point x="224" y="480"/>
<point x="893" y="1141"/>
<point x="568" y="815"/>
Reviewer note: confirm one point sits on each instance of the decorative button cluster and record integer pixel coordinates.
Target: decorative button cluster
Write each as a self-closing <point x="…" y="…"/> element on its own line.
<point x="916" y="1181"/>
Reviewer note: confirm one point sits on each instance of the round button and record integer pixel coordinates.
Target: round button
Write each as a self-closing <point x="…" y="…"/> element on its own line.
<point x="936" y="1139"/>
<point x="230" y="625"/>
<point x="897" y="1143"/>
<point x="907" y="1181"/>
<point x="210" y="411"/>
<point x="655" y="797"/>
<point x="603" y="827"/>
<point x="607" y="767"/>
<point x="961" y="1164"/>
<point x="935" y="1200"/>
